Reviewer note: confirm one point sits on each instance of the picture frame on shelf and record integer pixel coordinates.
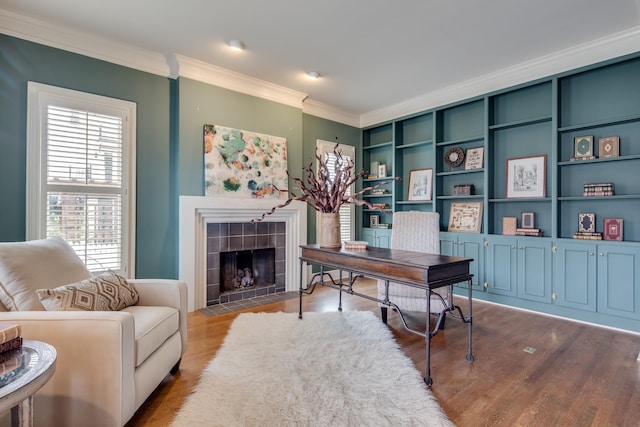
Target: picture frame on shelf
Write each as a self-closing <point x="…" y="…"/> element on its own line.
<point x="373" y="170"/>
<point x="509" y="225"/>
<point x="528" y="219"/>
<point x="612" y="229"/>
<point x="382" y="170"/>
<point x="454" y="157"/>
<point x="374" y="220"/>
<point x="609" y="147"/>
<point x="420" y="184"/>
<point x="583" y="147"/>
<point x="465" y="217"/>
<point x="474" y="158"/>
<point x="586" y="222"/>
<point x="526" y="177"/>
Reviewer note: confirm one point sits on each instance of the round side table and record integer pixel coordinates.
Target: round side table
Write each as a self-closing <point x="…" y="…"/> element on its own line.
<point x="27" y="371"/>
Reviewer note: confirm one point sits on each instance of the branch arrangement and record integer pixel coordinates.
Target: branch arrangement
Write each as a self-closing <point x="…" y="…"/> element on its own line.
<point x="324" y="193"/>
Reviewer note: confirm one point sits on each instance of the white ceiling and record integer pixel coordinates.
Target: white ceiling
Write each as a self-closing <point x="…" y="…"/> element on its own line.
<point x="372" y="54"/>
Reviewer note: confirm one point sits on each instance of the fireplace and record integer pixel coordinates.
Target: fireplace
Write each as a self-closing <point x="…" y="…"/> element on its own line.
<point x="197" y="212"/>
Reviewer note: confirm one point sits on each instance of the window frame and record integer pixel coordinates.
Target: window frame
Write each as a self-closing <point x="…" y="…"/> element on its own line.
<point x="39" y="97"/>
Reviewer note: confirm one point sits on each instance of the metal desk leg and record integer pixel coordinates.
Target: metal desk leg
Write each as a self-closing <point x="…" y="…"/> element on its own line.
<point x="300" y="290"/>
<point x="427" y="337"/>
<point x="340" y="285"/>
<point x="470" y="322"/>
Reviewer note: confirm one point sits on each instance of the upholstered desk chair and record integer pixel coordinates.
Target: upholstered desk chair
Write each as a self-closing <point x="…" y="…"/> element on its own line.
<point x="420" y="232"/>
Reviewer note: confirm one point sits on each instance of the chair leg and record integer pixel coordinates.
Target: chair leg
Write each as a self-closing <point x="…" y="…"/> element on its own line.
<point x="175" y="368"/>
<point x="383" y="314"/>
<point x="441" y="325"/>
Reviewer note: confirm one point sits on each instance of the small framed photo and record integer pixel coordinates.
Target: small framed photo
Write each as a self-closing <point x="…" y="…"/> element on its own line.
<point x="420" y="184"/>
<point x="382" y="170"/>
<point x="373" y="169"/>
<point x="587" y="222"/>
<point x="474" y="158"/>
<point x="609" y="147"/>
<point x="612" y="229"/>
<point x="374" y="220"/>
<point x="465" y="217"/>
<point x="583" y="147"/>
<point x="526" y="177"/>
<point x="528" y="220"/>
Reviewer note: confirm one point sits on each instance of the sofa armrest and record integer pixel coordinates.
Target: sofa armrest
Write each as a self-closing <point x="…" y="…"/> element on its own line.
<point x="165" y="293"/>
<point x="95" y="365"/>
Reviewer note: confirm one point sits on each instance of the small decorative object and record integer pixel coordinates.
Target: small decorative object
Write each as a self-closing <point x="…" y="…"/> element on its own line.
<point x="382" y="170"/>
<point x="326" y="189"/>
<point x="420" y="184"/>
<point x="609" y="147"/>
<point x="526" y="177"/>
<point x="474" y="158"/>
<point x="509" y="225"/>
<point x="583" y="148"/>
<point x="374" y="220"/>
<point x="602" y="189"/>
<point x="465" y="217"/>
<point x="587" y="222"/>
<point x="613" y="229"/>
<point x="464" y="190"/>
<point x="373" y="170"/>
<point x="454" y="156"/>
<point x="528" y="219"/>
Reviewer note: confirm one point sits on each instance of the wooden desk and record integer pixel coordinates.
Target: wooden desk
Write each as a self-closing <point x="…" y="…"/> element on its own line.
<point x="415" y="269"/>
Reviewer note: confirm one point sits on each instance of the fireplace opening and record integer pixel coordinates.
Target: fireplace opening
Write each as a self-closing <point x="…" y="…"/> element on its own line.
<point x="240" y="270"/>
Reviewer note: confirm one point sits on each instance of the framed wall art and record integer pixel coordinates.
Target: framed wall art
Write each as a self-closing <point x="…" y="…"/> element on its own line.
<point x="583" y="147"/>
<point x="528" y="219"/>
<point x="526" y="177"/>
<point x="420" y="184"/>
<point x="382" y="170"/>
<point x="609" y="147"/>
<point x="465" y="217"/>
<point x="474" y="158"/>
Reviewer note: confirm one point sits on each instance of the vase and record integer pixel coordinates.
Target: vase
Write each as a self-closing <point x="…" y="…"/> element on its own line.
<point x="329" y="230"/>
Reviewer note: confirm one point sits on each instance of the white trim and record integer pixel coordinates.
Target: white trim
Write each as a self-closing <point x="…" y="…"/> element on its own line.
<point x="319" y="109"/>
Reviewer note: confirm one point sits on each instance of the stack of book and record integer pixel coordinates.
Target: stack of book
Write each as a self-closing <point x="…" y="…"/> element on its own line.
<point x="383" y="225"/>
<point x="10" y="340"/>
<point x="587" y="235"/>
<point x="603" y="189"/>
<point x="528" y="232"/>
<point x="354" y="245"/>
<point x="378" y="191"/>
<point x="379" y="205"/>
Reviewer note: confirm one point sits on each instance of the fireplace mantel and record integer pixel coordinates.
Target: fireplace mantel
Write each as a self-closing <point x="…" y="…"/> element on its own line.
<point x="198" y="211"/>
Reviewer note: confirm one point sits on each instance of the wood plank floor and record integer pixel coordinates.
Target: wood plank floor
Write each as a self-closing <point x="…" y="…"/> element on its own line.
<point x="579" y="375"/>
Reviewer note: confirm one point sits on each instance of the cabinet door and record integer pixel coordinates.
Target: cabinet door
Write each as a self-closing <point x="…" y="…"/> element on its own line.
<point x="369" y="235"/>
<point x="575" y="276"/>
<point x="448" y="244"/>
<point x="383" y="238"/>
<point x="501" y="266"/>
<point x="473" y="247"/>
<point x="618" y="287"/>
<point x="534" y="270"/>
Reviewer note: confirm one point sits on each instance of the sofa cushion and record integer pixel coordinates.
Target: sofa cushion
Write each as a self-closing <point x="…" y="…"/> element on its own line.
<point x="36" y="264"/>
<point x="104" y="292"/>
<point x="153" y="326"/>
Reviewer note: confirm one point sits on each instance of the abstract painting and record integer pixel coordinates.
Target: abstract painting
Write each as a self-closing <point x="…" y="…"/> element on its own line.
<point x="240" y="163"/>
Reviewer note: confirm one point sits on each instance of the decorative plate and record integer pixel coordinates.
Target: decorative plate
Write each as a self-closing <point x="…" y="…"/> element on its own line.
<point x="454" y="156"/>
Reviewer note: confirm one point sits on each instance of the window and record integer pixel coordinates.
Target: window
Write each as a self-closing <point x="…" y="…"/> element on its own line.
<point x="80" y="152"/>
<point x="347" y="212"/>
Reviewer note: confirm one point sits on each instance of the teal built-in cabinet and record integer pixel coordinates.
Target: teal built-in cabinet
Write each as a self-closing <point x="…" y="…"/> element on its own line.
<point x="589" y="280"/>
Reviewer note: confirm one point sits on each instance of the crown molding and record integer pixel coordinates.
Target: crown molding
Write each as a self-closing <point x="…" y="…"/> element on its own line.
<point x="613" y="46"/>
<point x="82" y="43"/>
<point x="329" y="112"/>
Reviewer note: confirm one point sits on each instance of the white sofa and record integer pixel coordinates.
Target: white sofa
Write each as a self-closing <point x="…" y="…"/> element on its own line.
<point x="108" y="362"/>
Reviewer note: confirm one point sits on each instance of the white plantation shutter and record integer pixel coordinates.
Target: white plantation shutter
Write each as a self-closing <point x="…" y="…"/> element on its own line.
<point x="79" y="189"/>
<point x="347" y="212"/>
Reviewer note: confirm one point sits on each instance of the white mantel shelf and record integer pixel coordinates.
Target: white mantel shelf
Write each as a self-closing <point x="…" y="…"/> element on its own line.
<point x="198" y="211"/>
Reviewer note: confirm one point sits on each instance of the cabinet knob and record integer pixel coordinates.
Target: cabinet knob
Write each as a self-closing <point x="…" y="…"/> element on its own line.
<point x="601" y="254"/>
<point x="554" y="296"/>
<point x="591" y="254"/>
<point x="521" y="247"/>
<point x="513" y="247"/>
<point x="485" y="285"/>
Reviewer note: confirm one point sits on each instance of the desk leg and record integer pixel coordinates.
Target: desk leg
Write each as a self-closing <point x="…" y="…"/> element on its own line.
<point x="300" y="290"/>
<point x="22" y="413"/>
<point x="427" y="337"/>
<point x="470" y="322"/>
<point x="340" y="285"/>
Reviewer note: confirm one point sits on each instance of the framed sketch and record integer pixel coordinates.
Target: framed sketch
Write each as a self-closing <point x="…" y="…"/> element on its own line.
<point x="528" y="220"/>
<point x="609" y="147"/>
<point x="526" y="177"/>
<point x="374" y="220"/>
<point x="583" y="147"/>
<point x="382" y="170"/>
<point x="465" y="217"/>
<point x="420" y="184"/>
<point x="474" y="158"/>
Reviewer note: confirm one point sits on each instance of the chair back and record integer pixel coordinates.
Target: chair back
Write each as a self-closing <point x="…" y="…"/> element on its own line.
<point x="416" y="231"/>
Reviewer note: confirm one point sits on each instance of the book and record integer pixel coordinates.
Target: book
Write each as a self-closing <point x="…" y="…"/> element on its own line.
<point x="11" y="344"/>
<point x="613" y="229"/>
<point x="9" y="331"/>
<point x="354" y="245"/>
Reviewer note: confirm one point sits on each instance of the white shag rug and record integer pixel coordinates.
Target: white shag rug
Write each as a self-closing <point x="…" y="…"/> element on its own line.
<point x="328" y="369"/>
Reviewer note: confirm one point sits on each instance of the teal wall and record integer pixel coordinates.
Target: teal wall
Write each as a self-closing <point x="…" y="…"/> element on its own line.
<point x="170" y="116"/>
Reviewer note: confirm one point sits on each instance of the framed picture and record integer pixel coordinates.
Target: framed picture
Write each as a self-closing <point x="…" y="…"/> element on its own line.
<point x="382" y="170"/>
<point x="609" y="147"/>
<point x="420" y="184"/>
<point x="612" y="229"/>
<point x="373" y="169"/>
<point x="587" y="222"/>
<point x="509" y="225"/>
<point x="528" y="220"/>
<point x="526" y="177"/>
<point x="583" y="147"/>
<point x="374" y="220"/>
<point x="465" y="217"/>
<point x="474" y="158"/>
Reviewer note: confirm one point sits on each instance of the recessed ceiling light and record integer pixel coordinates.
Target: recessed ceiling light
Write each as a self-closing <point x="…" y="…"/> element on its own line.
<point x="314" y="75"/>
<point x="236" y="45"/>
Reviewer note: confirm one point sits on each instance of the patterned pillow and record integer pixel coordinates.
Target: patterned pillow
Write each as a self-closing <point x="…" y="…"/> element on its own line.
<point x="105" y="292"/>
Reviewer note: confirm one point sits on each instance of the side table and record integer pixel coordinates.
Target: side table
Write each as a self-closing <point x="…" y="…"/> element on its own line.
<point x="35" y="366"/>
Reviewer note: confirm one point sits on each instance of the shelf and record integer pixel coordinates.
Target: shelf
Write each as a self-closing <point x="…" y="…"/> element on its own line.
<point x="374" y="196"/>
<point x="599" y="160"/>
<point x="385" y="178"/>
<point x="518" y="123"/>
<point x="414" y="144"/>
<point x="461" y="141"/>
<point x="471" y="197"/>
<point x="376" y="146"/>
<point x="459" y="172"/>
<point x="600" y="123"/>
<point x="614" y="197"/>
<point x="520" y="200"/>
<point x="414" y="202"/>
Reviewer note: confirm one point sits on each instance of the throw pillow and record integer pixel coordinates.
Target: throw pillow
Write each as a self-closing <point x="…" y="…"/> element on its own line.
<point x="105" y="292"/>
<point x="36" y="264"/>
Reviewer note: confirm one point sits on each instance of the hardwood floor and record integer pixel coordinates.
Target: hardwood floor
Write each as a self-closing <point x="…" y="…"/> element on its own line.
<point x="578" y="375"/>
